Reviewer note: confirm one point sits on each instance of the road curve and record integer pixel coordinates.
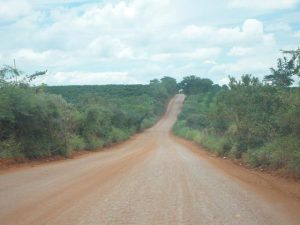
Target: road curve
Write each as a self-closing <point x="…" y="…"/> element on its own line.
<point x="150" y="179"/>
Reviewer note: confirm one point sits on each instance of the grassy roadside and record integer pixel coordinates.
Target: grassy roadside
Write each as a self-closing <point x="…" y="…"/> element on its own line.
<point x="204" y="121"/>
<point x="276" y="160"/>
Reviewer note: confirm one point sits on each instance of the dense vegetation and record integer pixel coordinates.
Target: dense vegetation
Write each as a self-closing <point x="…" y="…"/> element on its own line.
<point x="44" y="121"/>
<point x="252" y="120"/>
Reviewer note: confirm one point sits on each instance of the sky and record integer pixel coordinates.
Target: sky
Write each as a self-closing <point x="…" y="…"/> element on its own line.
<point x="134" y="41"/>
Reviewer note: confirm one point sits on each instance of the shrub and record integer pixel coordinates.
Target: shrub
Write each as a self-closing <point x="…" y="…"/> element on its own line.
<point x="118" y="135"/>
<point x="148" y="122"/>
<point x="92" y="143"/>
<point x="218" y="145"/>
<point x="77" y="143"/>
<point x="283" y="152"/>
<point x="10" y="148"/>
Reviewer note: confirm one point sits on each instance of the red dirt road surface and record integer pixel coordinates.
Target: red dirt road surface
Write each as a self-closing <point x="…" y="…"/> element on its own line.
<point x="154" y="178"/>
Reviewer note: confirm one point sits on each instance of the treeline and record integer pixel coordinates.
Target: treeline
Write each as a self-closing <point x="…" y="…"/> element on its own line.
<point x="252" y="120"/>
<point x="73" y="93"/>
<point x="41" y="121"/>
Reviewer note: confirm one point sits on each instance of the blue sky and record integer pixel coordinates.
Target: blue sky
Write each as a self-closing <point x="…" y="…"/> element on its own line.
<point x="119" y="42"/>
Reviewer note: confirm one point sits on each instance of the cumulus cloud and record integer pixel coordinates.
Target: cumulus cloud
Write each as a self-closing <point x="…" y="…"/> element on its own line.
<point x="258" y="66"/>
<point x="13" y="9"/>
<point x="107" y="47"/>
<point x="252" y="31"/>
<point x="240" y="51"/>
<point x="264" y="5"/>
<point x="29" y="55"/>
<point x="30" y="59"/>
<point x="141" y="38"/>
<point x="87" y="78"/>
<point x="279" y="27"/>
<point x="198" y="54"/>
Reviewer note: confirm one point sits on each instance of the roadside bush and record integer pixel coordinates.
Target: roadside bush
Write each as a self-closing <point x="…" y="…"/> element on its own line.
<point x="197" y="121"/>
<point x="148" y="122"/>
<point x="92" y="143"/>
<point x="9" y="148"/>
<point x="118" y="135"/>
<point x="38" y="122"/>
<point x="249" y="120"/>
<point x="283" y="152"/>
<point x="77" y="142"/>
<point x="219" y="145"/>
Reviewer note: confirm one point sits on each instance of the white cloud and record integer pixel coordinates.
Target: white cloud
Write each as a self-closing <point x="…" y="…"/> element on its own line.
<point x="194" y="31"/>
<point x="224" y="81"/>
<point x="252" y="31"/>
<point x="109" y="13"/>
<point x="240" y="51"/>
<point x="48" y="59"/>
<point x="87" y="78"/>
<point x="142" y="38"/>
<point x="13" y="9"/>
<point x="106" y="47"/>
<point x="258" y="66"/>
<point x="279" y="27"/>
<point x="198" y="54"/>
<point x="29" y="55"/>
<point x="210" y="62"/>
<point x="263" y="4"/>
<point x="253" y="27"/>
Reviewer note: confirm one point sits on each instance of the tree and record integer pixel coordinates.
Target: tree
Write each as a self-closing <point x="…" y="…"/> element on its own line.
<point x="192" y="85"/>
<point x="282" y="75"/>
<point x="12" y="76"/>
<point x="170" y="84"/>
<point x="158" y="90"/>
<point x="246" y="81"/>
<point x="295" y="59"/>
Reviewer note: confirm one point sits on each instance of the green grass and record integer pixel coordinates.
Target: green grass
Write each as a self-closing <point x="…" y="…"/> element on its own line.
<point x="282" y="153"/>
<point x="213" y="143"/>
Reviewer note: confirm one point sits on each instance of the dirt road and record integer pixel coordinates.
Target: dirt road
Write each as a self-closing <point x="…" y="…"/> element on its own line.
<point x="151" y="179"/>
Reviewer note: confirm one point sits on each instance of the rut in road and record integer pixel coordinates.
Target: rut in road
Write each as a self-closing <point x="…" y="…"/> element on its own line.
<point x="150" y="179"/>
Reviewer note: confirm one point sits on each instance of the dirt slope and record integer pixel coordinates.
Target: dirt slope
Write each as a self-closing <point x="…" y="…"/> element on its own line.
<point x="154" y="178"/>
